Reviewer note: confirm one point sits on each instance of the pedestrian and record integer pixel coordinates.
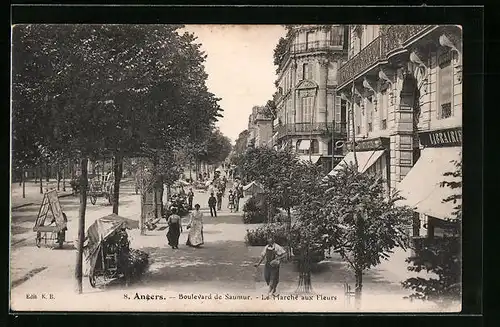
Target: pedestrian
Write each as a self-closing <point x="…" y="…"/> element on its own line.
<point x="219" y="199"/>
<point x="230" y="200"/>
<point x="212" y="202"/>
<point x="195" y="236"/>
<point x="238" y="194"/>
<point x="190" y="198"/>
<point x="174" y="228"/>
<point x="273" y="253"/>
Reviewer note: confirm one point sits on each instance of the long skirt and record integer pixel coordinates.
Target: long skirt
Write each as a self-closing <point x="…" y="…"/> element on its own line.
<point x="174" y="231"/>
<point x="195" y="236"/>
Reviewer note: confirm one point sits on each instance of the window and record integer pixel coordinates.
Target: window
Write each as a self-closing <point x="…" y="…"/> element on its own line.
<point x="306" y="71"/>
<point x="309" y="40"/>
<point x="357" y="118"/>
<point x="369" y="113"/>
<point x="445" y="85"/>
<point x="306" y="145"/>
<point x="338" y="109"/>
<point x="336" y="36"/>
<point x="306" y="106"/>
<point x="383" y="109"/>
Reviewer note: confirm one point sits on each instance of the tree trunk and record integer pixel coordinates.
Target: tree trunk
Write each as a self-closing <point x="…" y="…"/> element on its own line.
<point x="359" y="287"/>
<point x="41" y="181"/>
<point x="160" y="185"/>
<point x="118" y="166"/>
<point x="81" y="226"/>
<point x="47" y="173"/>
<point x="58" y="177"/>
<point x="64" y="178"/>
<point x="143" y="212"/>
<point x="305" y="285"/>
<point x="155" y="186"/>
<point x="190" y="170"/>
<point x="23" y="182"/>
<point x="289" y="233"/>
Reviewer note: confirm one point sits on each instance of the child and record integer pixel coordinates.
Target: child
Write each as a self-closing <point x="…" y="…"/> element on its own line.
<point x="231" y="201"/>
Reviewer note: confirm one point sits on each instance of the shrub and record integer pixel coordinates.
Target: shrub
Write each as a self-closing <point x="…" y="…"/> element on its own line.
<point x="258" y="236"/>
<point x="255" y="210"/>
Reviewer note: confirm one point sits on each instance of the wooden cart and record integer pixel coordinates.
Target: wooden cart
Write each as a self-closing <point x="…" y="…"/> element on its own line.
<point x="54" y="232"/>
<point x="101" y="188"/>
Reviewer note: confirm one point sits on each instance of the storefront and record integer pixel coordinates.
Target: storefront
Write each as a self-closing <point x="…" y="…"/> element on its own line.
<point x="423" y="188"/>
<point x="372" y="156"/>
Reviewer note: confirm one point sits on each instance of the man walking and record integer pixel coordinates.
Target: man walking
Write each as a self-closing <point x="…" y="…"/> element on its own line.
<point x="190" y="199"/>
<point x="212" y="202"/>
<point x="272" y="254"/>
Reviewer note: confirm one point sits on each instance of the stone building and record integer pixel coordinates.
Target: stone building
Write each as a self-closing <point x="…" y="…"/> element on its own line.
<point x="404" y="84"/>
<point x="311" y="117"/>
<point x="259" y="127"/>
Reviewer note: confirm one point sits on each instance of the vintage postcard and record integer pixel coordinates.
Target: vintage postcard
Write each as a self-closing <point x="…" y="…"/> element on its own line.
<point x="236" y="168"/>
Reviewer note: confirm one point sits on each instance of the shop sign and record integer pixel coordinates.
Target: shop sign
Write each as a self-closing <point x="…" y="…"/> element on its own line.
<point x="373" y="144"/>
<point x="441" y="138"/>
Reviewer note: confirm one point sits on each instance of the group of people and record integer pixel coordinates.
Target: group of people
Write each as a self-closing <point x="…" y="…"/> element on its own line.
<point x="233" y="199"/>
<point x="271" y="255"/>
<point x="195" y="226"/>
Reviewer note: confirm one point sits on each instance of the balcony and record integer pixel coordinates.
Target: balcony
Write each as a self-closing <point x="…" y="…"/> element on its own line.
<point x="340" y="129"/>
<point x="393" y="38"/>
<point x="314" y="46"/>
<point x="322" y="45"/>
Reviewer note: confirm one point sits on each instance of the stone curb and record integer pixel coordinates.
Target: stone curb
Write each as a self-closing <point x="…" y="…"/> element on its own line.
<point x="31" y="203"/>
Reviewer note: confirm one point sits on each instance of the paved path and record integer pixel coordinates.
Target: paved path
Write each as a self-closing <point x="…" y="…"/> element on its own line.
<point x="32" y="193"/>
<point x="223" y="264"/>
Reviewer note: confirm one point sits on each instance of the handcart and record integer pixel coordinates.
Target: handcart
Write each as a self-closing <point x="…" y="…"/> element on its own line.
<point x="107" y="249"/>
<point x="101" y="188"/>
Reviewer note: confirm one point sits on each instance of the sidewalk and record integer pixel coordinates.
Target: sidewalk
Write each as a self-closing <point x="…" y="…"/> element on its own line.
<point x="32" y="192"/>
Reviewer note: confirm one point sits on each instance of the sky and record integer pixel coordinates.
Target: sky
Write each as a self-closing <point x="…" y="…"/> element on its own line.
<point x="240" y="68"/>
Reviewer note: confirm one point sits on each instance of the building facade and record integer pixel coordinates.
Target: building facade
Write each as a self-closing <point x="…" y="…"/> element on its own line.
<point x="403" y="85"/>
<point x="311" y="117"/>
<point x="260" y="127"/>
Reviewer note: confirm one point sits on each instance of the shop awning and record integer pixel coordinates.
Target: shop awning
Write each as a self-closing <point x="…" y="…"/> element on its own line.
<point x="421" y="187"/>
<point x="366" y="159"/>
<point x="314" y="158"/>
<point x="304" y="144"/>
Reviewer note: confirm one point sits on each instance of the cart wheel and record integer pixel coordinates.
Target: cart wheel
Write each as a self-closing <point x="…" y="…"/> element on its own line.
<point x="92" y="280"/>
<point x="93" y="199"/>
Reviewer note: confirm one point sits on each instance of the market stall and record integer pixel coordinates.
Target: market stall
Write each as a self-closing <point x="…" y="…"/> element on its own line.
<point x="108" y="253"/>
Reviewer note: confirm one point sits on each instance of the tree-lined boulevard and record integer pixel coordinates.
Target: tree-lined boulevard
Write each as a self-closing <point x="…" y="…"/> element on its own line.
<point x="128" y="106"/>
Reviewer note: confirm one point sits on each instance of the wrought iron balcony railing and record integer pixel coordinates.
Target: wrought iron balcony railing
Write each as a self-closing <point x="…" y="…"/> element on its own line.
<point x="322" y="45"/>
<point x="391" y="39"/>
<point x="312" y="128"/>
<point x="317" y="46"/>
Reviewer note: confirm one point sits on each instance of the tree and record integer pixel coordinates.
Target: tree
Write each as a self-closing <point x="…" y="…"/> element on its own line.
<point x="305" y="188"/>
<point x="217" y="148"/>
<point x="282" y="47"/>
<point x="443" y="256"/>
<point x="357" y="218"/>
<point x="108" y="89"/>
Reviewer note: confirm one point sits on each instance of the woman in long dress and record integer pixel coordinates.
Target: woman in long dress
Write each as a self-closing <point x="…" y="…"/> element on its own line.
<point x="174" y="229"/>
<point x="195" y="226"/>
